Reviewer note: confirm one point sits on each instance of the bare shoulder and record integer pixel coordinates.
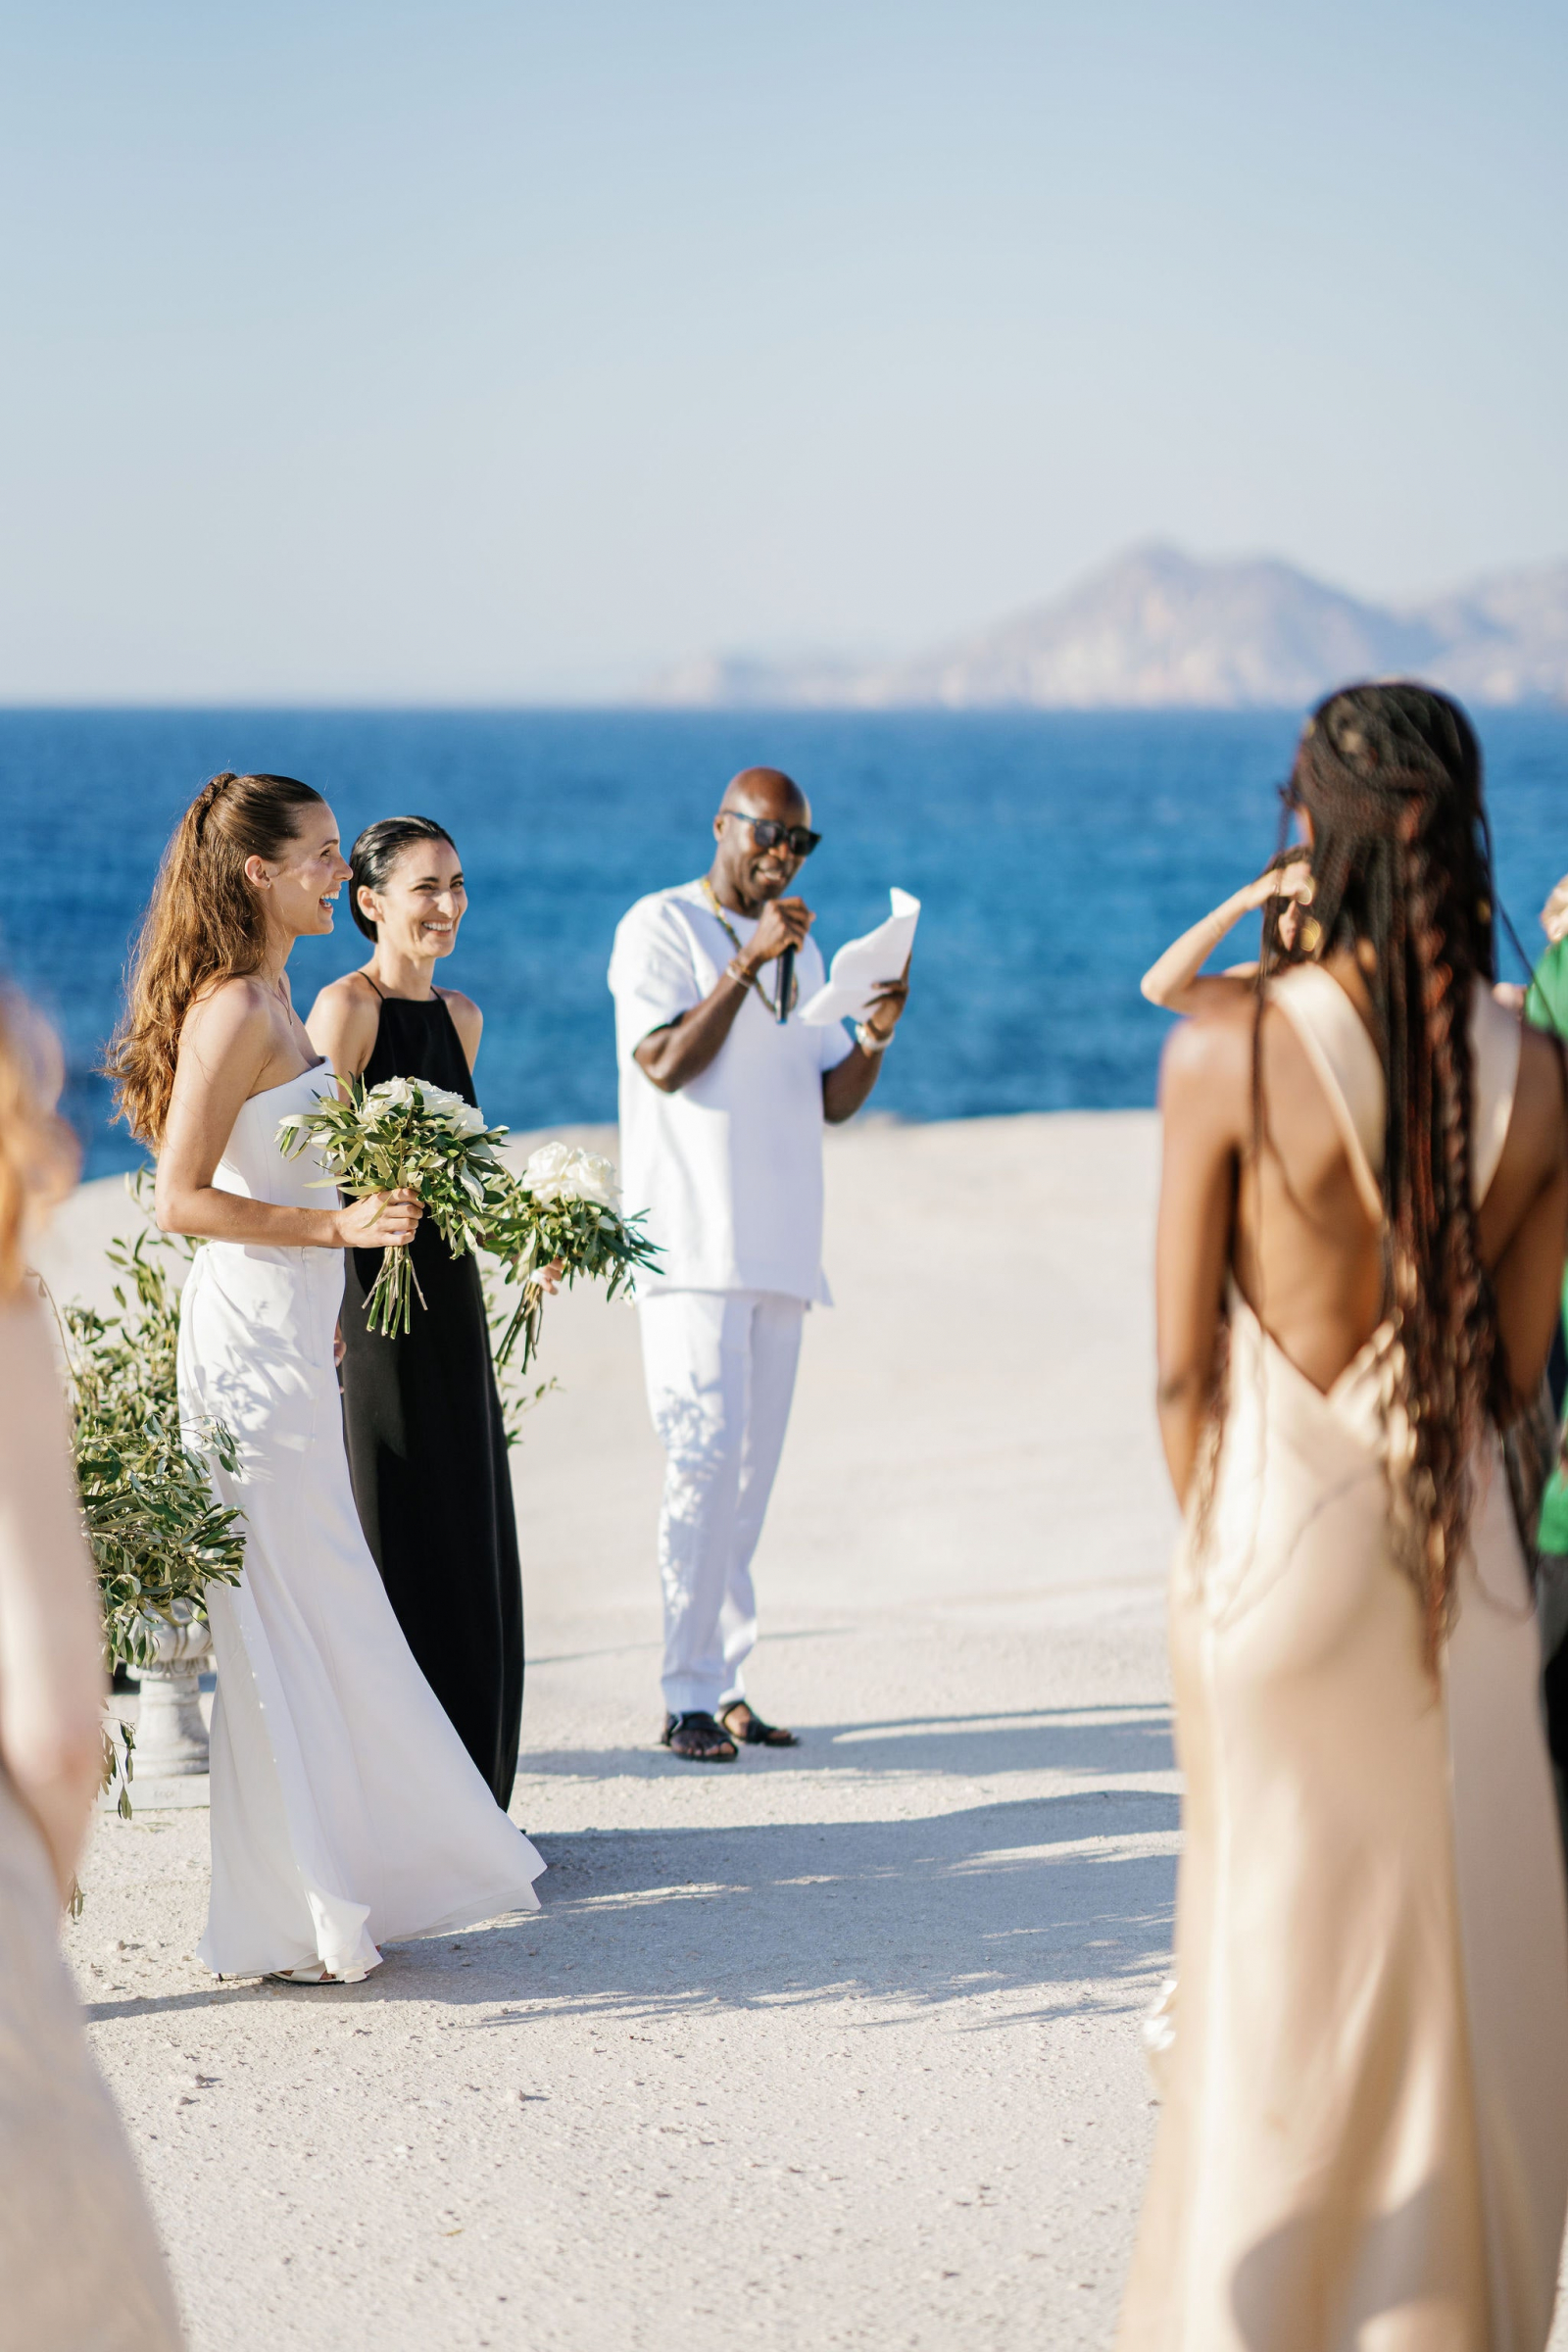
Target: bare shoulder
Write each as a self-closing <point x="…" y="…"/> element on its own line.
<point x="1213" y="1044"/>
<point x="349" y="988"/>
<point x="349" y="995"/>
<point x="461" y="1009"/>
<point x="1541" y="1061"/>
<point x="343" y="1021"/>
<point x="229" y="1012"/>
<point x="467" y="1019"/>
<point x="1540" y="1098"/>
<point x="227" y="1038"/>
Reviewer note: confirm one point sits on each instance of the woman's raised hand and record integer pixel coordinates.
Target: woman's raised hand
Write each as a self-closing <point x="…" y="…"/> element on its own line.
<point x="1293" y="880"/>
<point x="1177" y="980"/>
<point x="381" y="1222"/>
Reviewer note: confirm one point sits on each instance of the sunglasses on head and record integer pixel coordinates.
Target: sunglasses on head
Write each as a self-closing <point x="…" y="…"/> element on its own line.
<point x="768" y="833"/>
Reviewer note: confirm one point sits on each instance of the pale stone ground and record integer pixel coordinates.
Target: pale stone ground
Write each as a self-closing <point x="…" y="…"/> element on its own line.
<point x="833" y="2048"/>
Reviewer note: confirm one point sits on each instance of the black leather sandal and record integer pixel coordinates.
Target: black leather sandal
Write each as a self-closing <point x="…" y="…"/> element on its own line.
<point x="698" y="1739"/>
<point x="753" y="1732"/>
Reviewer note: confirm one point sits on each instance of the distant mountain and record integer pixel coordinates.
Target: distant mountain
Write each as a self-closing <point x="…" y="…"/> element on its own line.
<point x="1505" y="640"/>
<point x="1158" y="629"/>
<point x="745" y="682"/>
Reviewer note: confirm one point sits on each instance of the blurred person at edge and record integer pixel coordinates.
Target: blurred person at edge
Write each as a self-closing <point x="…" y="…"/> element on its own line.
<point x="723" y="1095"/>
<point x="1546" y="1007"/>
<point x="79" y="2263"/>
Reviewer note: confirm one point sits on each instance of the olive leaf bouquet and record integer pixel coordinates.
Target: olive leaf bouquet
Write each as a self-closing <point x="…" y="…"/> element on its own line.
<point x="406" y="1133"/>
<point x="564" y="1211"/>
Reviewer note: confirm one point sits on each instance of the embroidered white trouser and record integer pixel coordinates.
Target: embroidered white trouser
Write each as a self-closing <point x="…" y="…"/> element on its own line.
<point x="720" y="1373"/>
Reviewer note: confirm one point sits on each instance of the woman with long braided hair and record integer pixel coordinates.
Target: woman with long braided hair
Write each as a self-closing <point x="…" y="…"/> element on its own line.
<point x="1364" y="1222"/>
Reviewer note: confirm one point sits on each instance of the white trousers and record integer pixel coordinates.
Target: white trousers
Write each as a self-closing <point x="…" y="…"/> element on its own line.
<point x="720" y="1373"/>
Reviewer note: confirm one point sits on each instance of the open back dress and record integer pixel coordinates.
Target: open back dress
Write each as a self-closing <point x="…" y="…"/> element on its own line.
<point x="1363" y="2143"/>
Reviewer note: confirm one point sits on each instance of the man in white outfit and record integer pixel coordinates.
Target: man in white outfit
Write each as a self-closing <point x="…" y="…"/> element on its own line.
<point x="723" y="1093"/>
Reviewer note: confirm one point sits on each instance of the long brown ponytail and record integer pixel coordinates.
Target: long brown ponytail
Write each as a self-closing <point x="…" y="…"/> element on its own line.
<point x="204" y="923"/>
<point x="1401" y="862"/>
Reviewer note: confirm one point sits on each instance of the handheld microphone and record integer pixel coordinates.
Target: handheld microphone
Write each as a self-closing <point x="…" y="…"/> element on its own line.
<point x="786" y="981"/>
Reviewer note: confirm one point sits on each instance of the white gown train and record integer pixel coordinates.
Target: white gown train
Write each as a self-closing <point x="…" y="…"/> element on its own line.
<point x="345" y="1810"/>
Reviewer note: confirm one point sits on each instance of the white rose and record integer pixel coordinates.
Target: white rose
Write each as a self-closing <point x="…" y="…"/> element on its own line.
<point x="439" y="1101"/>
<point x="451" y="1111"/>
<point x="393" y="1094"/>
<point x="561" y="1172"/>
<point x="545" y="1168"/>
<point x="595" y="1180"/>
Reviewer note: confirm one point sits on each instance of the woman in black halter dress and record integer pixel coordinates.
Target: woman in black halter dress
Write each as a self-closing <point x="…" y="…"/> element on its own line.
<point x="426" y="1445"/>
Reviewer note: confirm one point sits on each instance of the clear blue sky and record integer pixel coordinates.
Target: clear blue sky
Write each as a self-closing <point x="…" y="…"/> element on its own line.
<point x="391" y="351"/>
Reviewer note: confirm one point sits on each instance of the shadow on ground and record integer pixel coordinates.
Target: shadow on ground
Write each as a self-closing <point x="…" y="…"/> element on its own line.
<point x="1065" y="1901"/>
<point x="1059" y="1904"/>
<point x="1092" y="1741"/>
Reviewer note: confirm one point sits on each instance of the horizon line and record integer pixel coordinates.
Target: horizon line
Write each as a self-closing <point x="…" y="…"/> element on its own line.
<point x="1538" y="706"/>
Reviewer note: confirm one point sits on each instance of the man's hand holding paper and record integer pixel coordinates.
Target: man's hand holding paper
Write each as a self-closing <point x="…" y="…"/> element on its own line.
<point x="866" y="971"/>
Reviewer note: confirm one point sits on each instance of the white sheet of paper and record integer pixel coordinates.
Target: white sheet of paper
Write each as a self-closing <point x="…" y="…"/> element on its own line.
<point x="863" y="966"/>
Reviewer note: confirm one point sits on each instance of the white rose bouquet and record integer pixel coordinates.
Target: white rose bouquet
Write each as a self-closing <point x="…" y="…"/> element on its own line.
<point x="564" y="1211"/>
<point x="406" y="1133"/>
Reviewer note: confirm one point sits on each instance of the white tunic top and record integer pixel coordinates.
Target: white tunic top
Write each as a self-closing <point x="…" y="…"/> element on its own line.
<point x="730" y="1167"/>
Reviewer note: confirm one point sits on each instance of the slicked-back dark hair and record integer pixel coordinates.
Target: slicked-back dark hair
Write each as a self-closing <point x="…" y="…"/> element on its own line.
<point x="377" y="853"/>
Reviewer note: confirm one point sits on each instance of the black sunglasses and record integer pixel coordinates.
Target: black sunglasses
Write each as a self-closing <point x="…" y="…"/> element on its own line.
<point x="767" y="833"/>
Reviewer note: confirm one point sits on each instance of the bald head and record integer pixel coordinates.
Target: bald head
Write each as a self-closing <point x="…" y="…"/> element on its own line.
<point x="767" y="792"/>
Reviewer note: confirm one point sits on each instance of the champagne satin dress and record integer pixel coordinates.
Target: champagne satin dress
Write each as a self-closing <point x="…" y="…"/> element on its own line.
<point x="1363" y="2142"/>
<point x="79" y="2263"/>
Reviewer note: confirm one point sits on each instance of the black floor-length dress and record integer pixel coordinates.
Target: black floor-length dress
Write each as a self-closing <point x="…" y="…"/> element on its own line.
<point x="427" y="1448"/>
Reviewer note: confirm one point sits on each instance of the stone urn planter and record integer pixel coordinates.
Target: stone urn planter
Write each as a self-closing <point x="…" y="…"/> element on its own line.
<point x="170" y="1735"/>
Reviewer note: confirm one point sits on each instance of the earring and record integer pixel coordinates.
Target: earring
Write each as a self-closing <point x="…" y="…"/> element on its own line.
<point x="1310" y="935"/>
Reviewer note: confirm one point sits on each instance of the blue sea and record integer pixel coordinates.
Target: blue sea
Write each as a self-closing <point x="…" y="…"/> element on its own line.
<point x="1055" y="854"/>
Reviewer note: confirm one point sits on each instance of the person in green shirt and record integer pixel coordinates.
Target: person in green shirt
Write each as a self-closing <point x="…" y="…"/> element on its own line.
<point x="1546" y="1007"/>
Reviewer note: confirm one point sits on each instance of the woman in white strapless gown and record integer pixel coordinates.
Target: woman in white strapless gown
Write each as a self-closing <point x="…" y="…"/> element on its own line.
<point x="345" y="1809"/>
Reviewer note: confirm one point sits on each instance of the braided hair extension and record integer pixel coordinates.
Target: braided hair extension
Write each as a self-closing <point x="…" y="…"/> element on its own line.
<point x="1402" y="864"/>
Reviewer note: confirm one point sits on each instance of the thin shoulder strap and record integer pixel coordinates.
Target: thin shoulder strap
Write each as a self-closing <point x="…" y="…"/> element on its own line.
<point x="1345" y="1062"/>
<point x="1496" y="1040"/>
<point x="366" y="976"/>
<point x="1336" y="1041"/>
